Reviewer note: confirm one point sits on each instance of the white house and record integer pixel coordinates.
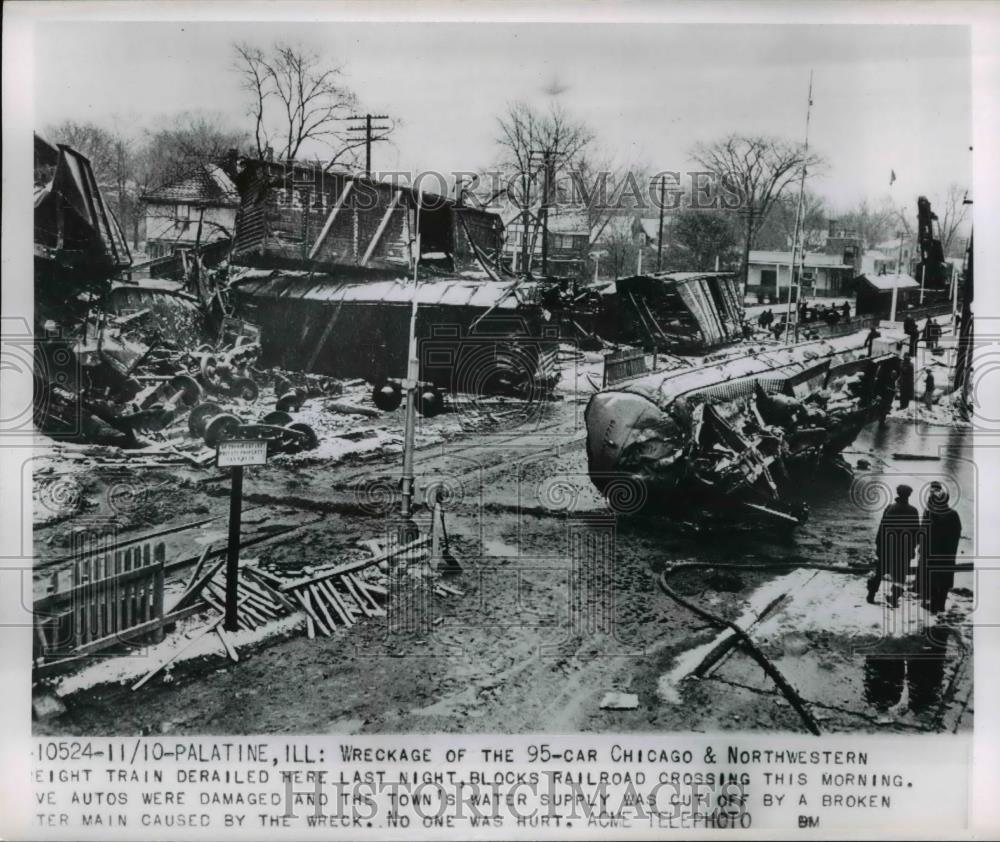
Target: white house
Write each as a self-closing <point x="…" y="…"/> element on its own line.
<point x="770" y="274"/>
<point x="173" y="212"/>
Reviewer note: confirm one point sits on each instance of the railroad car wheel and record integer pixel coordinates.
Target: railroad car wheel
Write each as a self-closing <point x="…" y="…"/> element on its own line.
<point x="431" y="403"/>
<point x="190" y="388"/>
<point x="291" y="401"/>
<point x="200" y="415"/>
<point x="387" y="397"/>
<point x="277" y="418"/>
<point x="220" y="428"/>
<point x="310" y="440"/>
<point x="244" y="387"/>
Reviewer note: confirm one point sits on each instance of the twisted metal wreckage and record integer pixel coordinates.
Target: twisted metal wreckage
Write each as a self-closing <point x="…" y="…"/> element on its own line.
<point x="726" y="435"/>
<point x="315" y="280"/>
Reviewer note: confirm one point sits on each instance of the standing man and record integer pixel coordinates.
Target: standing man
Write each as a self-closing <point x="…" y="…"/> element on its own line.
<point x="845" y="310"/>
<point x="935" y="330"/>
<point x="873" y="334"/>
<point x="905" y="382"/>
<point x="929" y="388"/>
<point x="912" y="333"/>
<point x="895" y="545"/>
<point x="940" y="531"/>
<point x="885" y="389"/>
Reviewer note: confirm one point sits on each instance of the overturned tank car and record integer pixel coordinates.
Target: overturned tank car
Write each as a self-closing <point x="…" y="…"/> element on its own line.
<point x="725" y="437"/>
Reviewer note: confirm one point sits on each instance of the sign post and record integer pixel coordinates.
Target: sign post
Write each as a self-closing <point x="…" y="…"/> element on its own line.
<point x="235" y="453"/>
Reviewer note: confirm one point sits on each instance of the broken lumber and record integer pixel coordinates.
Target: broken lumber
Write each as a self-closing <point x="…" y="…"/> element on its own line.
<point x="315" y="592"/>
<point x="198" y="567"/>
<point x="354" y="566"/>
<point x="303" y="597"/>
<point x="195" y="588"/>
<point x="173" y="655"/>
<point x="226" y="644"/>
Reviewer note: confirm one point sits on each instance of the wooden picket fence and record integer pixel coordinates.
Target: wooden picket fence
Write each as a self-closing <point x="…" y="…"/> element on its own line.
<point x="112" y="597"/>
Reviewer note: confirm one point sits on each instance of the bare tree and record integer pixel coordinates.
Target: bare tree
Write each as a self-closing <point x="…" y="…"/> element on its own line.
<point x="296" y="99"/>
<point x="536" y="148"/>
<point x="778" y="229"/>
<point x="112" y="156"/>
<point x="759" y="169"/>
<point x="952" y="217"/>
<point x="603" y="188"/>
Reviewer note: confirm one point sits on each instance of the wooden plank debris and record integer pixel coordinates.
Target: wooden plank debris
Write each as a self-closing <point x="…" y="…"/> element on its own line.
<point x="178" y="650"/>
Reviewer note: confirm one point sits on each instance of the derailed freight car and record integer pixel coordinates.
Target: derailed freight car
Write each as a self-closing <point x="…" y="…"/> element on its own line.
<point x="475" y="337"/>
<point x="724" y="438"/>
<point x="677" y="312"/>
<point x="295" y="215"/>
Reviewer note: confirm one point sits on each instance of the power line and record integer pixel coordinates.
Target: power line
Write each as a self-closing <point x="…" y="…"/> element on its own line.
<point x="368" y="129"/>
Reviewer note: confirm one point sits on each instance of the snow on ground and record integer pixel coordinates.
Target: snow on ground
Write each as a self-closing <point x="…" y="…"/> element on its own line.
<point x="128" y="668"/>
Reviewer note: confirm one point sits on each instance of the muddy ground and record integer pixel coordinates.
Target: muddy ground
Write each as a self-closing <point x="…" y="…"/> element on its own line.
<point x="541" y="630"/>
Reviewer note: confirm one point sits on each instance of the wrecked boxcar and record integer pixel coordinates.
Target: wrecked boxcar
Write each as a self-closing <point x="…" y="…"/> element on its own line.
<point x="479" y="337"/>
<point x="676" y="312"/>
<point x="79" y="246"/>
<point x="726" y="435"/>
<point x="294" y="215"/>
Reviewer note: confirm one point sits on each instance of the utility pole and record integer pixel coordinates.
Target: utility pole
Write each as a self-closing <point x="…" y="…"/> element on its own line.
<point x="548" y="163"/>
<point x="796" y="277"/>
<point x="370" y="134"/>
<point x="659" y="236"/>
<point x="546" y="175"/>
<point x="410" y="384"/>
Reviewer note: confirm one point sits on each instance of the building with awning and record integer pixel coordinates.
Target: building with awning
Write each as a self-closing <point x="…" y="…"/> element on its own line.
<point x="770" y="274"/>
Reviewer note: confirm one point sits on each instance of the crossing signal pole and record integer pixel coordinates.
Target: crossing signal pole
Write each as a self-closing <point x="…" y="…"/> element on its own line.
<point x="371" y="132"/>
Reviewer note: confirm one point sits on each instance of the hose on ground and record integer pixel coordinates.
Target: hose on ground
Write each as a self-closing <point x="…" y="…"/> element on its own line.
<point x="794" y="699"/>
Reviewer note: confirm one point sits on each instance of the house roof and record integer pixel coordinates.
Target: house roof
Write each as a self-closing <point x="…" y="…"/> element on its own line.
<point x="887" y="282"/>
<point x="835" y="261"/>
<point x="207" y="184"/>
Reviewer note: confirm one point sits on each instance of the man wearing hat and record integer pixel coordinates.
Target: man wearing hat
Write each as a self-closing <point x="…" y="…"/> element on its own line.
<point x="940" y="531"/>
<point x="895" y="545"/>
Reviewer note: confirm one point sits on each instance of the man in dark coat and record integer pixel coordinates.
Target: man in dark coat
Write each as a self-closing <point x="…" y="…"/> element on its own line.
<point x="940" y="531"/>
<point x="905" y="382"/>
<point x="845" y="310"/>
<point x="929" y="389"/>
<point x="895" y="545"/>
<point x="873" y="334"/>
<point x="912" y="332"/>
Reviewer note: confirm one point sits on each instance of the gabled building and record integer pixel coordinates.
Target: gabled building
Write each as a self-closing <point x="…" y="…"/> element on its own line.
<point x="199" y="208"/>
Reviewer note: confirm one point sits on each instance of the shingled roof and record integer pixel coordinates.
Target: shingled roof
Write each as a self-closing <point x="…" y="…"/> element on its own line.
<point x="206" y="185"/>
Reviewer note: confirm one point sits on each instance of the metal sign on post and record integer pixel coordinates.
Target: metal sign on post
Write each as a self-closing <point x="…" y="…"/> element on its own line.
<point x="239" y="452"/>
<point x="235" y="454"/>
